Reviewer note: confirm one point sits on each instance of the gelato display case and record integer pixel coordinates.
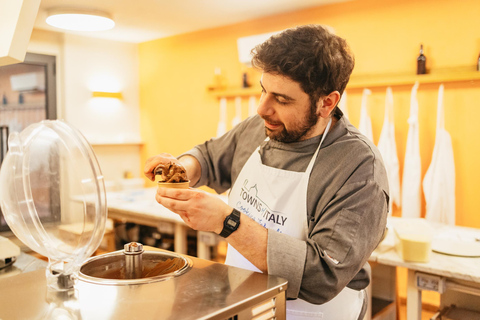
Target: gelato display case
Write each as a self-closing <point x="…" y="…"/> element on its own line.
<point x="51" y="180"/>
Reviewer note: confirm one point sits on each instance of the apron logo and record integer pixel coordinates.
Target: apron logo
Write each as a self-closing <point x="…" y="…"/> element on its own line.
<point x="263" y="213"/>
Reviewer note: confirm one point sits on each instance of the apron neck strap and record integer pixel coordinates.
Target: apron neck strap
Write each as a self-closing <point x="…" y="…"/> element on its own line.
<point x="312" y="161"/>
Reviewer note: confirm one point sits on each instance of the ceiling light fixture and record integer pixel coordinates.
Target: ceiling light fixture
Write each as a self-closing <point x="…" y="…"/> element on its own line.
<point x="80" y="20"/>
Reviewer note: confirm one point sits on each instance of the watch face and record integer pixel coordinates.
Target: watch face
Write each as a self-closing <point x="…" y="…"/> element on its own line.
<point x="231" y="223"/>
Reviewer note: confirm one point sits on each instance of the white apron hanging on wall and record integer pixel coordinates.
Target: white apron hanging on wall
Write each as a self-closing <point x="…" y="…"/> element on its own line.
<point x="412" y="168"/>
<point x="388" y="150"/>
<point x="343" y="104"/>
<point x="439" y="181"/>
<point x="252" y="106"/>
<point x="222" y="122"/>
<point x="238" y="112"/>
<point x="365" y="125"/>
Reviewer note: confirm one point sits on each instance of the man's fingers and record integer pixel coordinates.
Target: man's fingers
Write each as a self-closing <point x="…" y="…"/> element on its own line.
<point x="171" y="204"/>
<point x="148" y="169"/>
<point x="153" y="162"/>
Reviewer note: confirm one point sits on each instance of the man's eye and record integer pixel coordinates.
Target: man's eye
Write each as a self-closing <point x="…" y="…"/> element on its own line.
<point x="282" y="101"/>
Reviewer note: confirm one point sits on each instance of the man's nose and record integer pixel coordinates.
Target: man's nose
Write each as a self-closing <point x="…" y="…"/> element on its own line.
<point x="265" y="106"/>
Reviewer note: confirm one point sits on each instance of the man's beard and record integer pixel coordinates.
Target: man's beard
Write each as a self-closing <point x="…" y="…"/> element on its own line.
<point x="297" y="133"/>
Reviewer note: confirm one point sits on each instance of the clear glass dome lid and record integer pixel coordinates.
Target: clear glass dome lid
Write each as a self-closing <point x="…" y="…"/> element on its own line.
<point x="52" y="196"/>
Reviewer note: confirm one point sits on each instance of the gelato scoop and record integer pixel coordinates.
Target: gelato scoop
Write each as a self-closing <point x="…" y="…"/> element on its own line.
<point x="170" y="173"/>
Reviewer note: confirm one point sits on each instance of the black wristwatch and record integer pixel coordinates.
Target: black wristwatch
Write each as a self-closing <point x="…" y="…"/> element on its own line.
<point x="231" y="223"/>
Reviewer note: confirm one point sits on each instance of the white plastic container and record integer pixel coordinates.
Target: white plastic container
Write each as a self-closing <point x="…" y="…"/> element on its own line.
<point x="413" y="239"/>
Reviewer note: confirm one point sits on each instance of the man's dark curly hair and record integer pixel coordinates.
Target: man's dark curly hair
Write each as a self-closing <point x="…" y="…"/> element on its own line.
<point x="310" y="55"/>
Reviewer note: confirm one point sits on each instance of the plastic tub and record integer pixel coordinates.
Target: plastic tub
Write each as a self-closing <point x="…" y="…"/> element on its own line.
<point x="413" y="239"/>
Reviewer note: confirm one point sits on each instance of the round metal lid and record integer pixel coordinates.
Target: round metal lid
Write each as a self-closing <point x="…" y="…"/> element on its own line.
<point x="117" y="268"/>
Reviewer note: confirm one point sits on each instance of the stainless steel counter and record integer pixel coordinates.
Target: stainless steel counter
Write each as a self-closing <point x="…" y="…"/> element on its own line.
<point x="207" y="291"/>
<point x="25" y="263"/>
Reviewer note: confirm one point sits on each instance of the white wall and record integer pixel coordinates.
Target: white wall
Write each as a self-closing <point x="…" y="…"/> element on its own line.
<point x="99" y="65"/>
<point x="112" y="126"/>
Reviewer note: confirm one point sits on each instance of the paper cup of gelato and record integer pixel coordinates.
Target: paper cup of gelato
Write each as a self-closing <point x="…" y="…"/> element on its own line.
<point x="174" y="185"/>
<point x="171" y="175"/>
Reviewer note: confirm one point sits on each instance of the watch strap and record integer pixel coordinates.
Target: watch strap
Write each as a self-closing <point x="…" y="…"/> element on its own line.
<point x="231" y="223"/>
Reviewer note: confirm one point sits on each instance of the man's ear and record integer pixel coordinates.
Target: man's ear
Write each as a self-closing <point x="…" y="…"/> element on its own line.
<point x="326" y="104"/>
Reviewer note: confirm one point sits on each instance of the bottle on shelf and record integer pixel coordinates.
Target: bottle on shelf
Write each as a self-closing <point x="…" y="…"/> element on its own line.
<point x="478" y="63"/>
<point x="245" y="82"/>
<point x="421" y="62"/>
<point x="4" y="100"/>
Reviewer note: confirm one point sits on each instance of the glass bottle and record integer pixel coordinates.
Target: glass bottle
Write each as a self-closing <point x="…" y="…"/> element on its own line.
<point x="245" y="83"/>
<point x="421" y="62"/>
<point x="478" y="63"/>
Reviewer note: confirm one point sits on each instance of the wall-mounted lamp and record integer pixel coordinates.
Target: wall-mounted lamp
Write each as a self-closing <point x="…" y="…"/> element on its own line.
<point x="103" y="94"/>
<point x="80" y="19"/>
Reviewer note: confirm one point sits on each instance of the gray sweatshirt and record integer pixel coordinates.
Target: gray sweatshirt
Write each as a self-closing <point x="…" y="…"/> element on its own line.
<point x="347" y="203"/>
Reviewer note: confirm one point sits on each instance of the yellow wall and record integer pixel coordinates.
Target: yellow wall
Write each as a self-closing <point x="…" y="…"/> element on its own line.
<point x="177" y="112"/>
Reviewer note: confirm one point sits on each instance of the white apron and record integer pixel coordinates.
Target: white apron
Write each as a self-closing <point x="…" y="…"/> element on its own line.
<point x="222" y="122"/>
<point x="277" y="199"/>
<point x="412" y="167"/>
<point x="388" y="149"/>
<point x="365" y="125"/>
<point x="439" y="181"/>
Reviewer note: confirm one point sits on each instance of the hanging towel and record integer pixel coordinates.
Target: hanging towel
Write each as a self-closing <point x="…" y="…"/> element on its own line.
<point x="222" y="122"/>
<point x="365" y="125"/>
<point x="252" y="106"/>
<point x="388" y="150"/>
<point x="238" y="112"/>
<point x="439" y="181"/>
<point x="412" y="167"/>
<point x="343" y="104"/>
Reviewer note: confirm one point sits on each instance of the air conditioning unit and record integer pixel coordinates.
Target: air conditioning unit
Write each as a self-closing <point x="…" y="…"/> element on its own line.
<point x="32" y="81"/>
<point x="246" y="44"/>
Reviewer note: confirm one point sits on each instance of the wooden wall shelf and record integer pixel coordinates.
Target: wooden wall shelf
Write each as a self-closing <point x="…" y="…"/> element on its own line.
<point x="237" y="92"/>
<point x="446" y="75"/>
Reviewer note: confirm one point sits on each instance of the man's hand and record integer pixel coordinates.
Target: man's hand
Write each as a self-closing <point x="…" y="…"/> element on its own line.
<point x="200" y="210"/>
<point x="154" y="161"/>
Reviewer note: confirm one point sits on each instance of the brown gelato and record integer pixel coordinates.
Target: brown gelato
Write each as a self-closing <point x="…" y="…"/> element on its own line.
<point x="171" y="172"/>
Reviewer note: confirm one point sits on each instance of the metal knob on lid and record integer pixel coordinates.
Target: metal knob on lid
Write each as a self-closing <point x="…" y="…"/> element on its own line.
<point x="133" y="248"/>
<point x="133" y="260"/>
